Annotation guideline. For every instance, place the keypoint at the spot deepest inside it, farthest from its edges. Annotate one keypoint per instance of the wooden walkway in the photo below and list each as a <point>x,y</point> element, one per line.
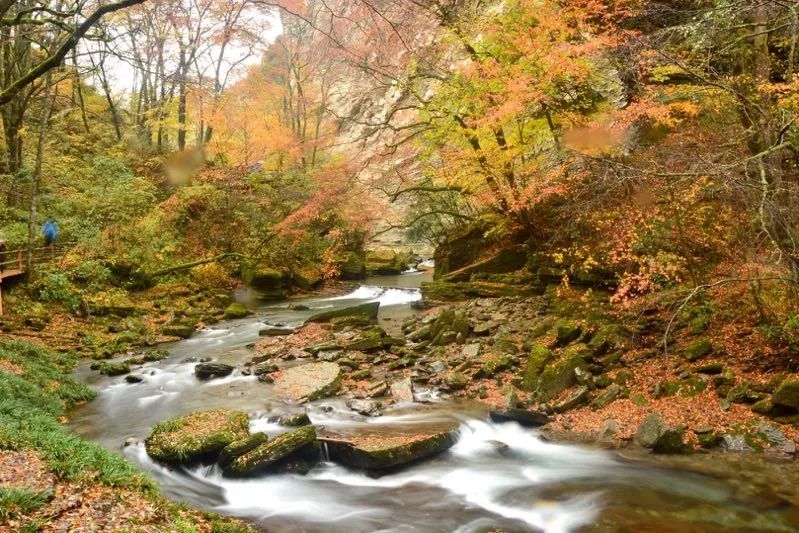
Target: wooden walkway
<point>14,263</point>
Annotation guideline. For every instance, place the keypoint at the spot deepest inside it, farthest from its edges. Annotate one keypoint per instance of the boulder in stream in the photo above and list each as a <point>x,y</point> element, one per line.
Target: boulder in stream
<point>275,331</point>
<point>308,382</point>
<point>275,452</point>
<point>368,309</point>
<point>523,417</point>
<point>379,451</point>
<point>196,436</point>
<point>212,370</point>
<point>238,448</point>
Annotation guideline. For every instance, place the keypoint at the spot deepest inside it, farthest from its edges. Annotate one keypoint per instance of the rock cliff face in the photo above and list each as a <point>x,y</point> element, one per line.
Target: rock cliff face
<point>374,59</point>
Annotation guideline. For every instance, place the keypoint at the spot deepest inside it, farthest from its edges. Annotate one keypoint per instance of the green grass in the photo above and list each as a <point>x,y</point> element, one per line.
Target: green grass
<point>30,405</point>
<point>21,501</point>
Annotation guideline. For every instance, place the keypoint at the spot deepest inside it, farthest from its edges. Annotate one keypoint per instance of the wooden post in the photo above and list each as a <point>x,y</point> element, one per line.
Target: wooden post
<point>1,294</point>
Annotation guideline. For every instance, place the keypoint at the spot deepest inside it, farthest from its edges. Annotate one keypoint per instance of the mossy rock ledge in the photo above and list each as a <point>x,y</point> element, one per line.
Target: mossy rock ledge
<point>196,436</point>
<point>377,452</point>
<point>285,450</point>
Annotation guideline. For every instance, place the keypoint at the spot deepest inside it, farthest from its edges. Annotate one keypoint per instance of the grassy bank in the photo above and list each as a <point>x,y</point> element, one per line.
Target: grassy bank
<point>50,478</point>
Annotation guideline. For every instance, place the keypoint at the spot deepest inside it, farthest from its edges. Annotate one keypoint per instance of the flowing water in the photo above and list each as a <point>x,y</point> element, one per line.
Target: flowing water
<point>497,477</point>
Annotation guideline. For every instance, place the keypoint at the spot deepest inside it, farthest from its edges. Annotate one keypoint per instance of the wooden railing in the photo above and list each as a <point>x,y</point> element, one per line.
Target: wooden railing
<point>15,262</point>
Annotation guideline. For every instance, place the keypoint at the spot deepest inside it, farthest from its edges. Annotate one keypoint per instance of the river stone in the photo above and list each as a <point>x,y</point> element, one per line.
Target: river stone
<point>368,309</point>
<point>236,310</point>
<point>608,396</point>
<point>272,451</point>
<point>402,391</point>
<point>378,452</point>
<point>670,441</point>
<point>212,370</point>
<point>238,448</point>
<point>308,382</point>
<point>365,407</point>
<point>195,436</point>
<point>275,331</point>
<point>523,417</point>
<point>787,394</point>
<point>577,397</point>
<point>295,420</point>
<point>650,430</point>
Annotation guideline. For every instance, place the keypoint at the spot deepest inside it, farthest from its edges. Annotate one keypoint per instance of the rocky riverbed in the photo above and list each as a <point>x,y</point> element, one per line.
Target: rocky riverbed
<point>448,410</point>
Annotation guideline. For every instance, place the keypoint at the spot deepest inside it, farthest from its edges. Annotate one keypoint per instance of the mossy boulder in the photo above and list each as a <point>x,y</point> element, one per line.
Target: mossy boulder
<point>388,451</point>
<point>267,279</point>
<point>539,356</point>
<point>385,261</point>
<point>196,436</point>
<point>272,452</point>
<point>295,420</point>
<point>308,382</point>
<point>352,267</point>
<point>307,278</point>
<point>239,447</point>
<point>112,369</point>
<point>559,376</point>
<point>567,331</point>
<point>698,349</point>
<point>787,394</point>
<point>236,310</point>
<point>369,310</point>
<point>671,441</point>
<point>608,338</point>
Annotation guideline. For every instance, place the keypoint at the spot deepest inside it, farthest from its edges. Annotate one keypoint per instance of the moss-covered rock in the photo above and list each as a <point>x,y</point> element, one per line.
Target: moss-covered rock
<point>308,382</point>
<point>608,338</point>
<point>239,447</point>
<point>567,331</point>
<point>698,349</point>
<point>387,451</point>
<point>236,310</point>
<point>295,420</point>
<point>608,396</point>
<point>369,310</point>
<point>270,453</point>
<point>112,369</point>
<point>787,394</point>
<point>196,436</point>
<point>266,278</point>
<point>539,356</point>
<point>558,377</point>
<point>493,364</point>
<point>352,267</point>
<point>384,261</point>
<point>671,441</point>
<point>442,291</point>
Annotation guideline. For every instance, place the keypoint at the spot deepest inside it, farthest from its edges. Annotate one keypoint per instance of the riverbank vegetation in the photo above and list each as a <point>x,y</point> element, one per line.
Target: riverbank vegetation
<point>628,169</point>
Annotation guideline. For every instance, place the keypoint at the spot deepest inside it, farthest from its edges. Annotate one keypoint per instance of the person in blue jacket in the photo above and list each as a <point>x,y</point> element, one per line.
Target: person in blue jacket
<point>50,233</point>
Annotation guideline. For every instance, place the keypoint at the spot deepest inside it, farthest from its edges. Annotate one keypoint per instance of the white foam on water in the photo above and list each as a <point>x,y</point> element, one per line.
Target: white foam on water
<point>386,296</point>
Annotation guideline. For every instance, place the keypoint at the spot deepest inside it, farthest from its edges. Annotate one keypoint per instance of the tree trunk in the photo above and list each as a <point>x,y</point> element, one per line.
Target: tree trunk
<point>37,172</point>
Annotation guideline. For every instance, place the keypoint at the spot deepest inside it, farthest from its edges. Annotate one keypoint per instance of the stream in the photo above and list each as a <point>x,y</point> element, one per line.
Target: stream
<point>477,486</point>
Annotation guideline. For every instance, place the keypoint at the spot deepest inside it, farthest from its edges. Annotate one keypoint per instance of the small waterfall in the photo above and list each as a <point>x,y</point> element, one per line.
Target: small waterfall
<point>325,452</point>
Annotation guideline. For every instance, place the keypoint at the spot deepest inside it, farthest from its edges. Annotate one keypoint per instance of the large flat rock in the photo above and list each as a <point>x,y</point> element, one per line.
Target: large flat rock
<point>308,382</point>
<point>381,451</point>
